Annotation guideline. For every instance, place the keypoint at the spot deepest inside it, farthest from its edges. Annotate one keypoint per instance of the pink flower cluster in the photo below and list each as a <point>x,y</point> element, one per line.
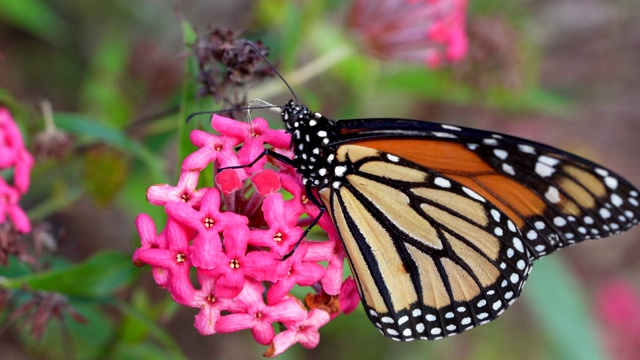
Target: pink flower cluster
<point>14,158</point>
<point>618,305</point>
<point>428,31</point>
<point>238,239</point>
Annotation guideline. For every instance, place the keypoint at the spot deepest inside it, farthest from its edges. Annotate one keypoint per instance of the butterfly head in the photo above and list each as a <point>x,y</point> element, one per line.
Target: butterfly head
<point>295,115</point>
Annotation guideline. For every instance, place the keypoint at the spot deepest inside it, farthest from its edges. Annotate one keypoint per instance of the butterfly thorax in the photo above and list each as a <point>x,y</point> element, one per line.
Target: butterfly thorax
<point>311,135</point>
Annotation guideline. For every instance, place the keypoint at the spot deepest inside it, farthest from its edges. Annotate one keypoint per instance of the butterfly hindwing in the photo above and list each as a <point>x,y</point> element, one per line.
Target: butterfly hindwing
<point>431,257</point>
<point>556,199</point>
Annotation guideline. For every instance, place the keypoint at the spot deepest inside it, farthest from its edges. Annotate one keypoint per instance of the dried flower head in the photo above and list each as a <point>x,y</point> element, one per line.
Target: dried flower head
<point>239,236</point>
<point>227,64</point>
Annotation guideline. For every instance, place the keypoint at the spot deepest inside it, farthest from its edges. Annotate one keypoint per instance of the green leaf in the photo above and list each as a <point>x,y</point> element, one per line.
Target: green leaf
<point>561,307</point>
<point>104,91</point>
<point>154,328</point>
<point>82,125</point>
<point>35,17</point>
<point>99,276</point>
<point>105,172</point>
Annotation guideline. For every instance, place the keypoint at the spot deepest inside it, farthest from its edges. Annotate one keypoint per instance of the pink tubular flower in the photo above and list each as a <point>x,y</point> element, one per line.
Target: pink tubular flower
<point>252,313</point>
<point>304,332</point>
<point>426,31</point>
<point>175,259</point>
<point>13,155</point>
<point>618,305</point>
<point>238,235</point>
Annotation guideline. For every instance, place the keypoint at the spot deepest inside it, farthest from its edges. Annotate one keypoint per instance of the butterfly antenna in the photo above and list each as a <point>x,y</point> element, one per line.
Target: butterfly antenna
<point>265,105</point>
<point>261,105</point>
<point>255,48</point>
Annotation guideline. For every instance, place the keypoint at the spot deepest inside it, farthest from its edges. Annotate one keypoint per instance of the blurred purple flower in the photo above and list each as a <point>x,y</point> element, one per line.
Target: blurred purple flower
<point>618,306</point>
<point>425,31</point>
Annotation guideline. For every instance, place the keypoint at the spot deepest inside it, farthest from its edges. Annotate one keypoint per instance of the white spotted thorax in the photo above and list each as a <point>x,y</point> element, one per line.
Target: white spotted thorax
<point>310,135</point>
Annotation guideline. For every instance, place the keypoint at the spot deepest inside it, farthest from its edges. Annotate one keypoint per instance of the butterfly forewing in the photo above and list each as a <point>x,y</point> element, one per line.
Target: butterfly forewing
<point>556,199</point>
<point>431,257</point>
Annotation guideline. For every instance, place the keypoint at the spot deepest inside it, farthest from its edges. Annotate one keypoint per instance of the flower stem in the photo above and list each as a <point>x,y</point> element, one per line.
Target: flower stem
<point>307,72</point>
<point>47,114</point>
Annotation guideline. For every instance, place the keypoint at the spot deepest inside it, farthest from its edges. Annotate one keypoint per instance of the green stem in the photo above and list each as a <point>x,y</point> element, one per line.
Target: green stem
<point>303,74</point>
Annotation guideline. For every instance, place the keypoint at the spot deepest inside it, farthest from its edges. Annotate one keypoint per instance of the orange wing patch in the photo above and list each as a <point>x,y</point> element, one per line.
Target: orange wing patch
<point>467,168</point>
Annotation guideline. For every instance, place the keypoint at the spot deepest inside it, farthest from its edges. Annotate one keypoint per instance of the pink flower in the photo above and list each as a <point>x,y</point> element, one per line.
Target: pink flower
<point>13,156</point>
<point>9,197</point>
<point>212,148</point>
<point>175,259</point>
<point>185,191</point>
<point>235,264</point>
<point>207,222</point>
<point>297,272</point>
<point>349,298</point>
<point>426,31</point>
<point>210,305</point>
<point>252,313</point>
<point>618,305</point>
<point>305,332</point>
<point>255,135</point>
<point>149,239</point>
<point>240,244</point>
<point>283,231</point>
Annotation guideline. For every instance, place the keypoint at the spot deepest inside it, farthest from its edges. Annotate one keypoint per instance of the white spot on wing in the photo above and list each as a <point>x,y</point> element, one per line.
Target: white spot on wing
<point>508,169</point>
<point>442,182</point>
<point>451,127</point>
<point>393,158</point>
<point>443,134</point>
<point>527,149</point>
<point>611,182</point>
<point>500,153</point>
<point>473,194</point>
<point>552,195</point>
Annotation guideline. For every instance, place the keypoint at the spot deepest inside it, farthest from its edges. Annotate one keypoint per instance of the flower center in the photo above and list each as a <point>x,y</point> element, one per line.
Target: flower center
<point>184,197</point>
<point>180,258</point>
<point>277,237</point>
<point>258,315</point>
<point>208,222</point>
<point>234,264</point>
<point>217,147</point>
<point>304,199</point>
<point>210,298</point>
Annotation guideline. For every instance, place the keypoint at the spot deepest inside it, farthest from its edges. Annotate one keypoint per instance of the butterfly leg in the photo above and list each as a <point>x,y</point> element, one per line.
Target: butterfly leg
<point>309,191</point>
<point>266,152</point>
<point>322,209</point>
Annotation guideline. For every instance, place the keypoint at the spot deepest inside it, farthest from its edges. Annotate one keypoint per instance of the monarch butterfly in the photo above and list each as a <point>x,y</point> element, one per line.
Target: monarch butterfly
<point>441,224</point>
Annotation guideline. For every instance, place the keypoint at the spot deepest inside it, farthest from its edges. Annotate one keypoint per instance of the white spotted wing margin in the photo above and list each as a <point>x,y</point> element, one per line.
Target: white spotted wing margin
<point>431,257</point>
<point>582,200</point>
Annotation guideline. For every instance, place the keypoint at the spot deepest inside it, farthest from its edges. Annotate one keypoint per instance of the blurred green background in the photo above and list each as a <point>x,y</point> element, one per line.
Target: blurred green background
<point>117,75</point>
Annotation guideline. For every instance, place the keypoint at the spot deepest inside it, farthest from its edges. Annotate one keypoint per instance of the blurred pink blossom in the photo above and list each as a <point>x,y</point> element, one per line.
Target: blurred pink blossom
<point>425,31</point>
<point>13,157</point>
<point>618,305</point>
<point>238,235</point>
